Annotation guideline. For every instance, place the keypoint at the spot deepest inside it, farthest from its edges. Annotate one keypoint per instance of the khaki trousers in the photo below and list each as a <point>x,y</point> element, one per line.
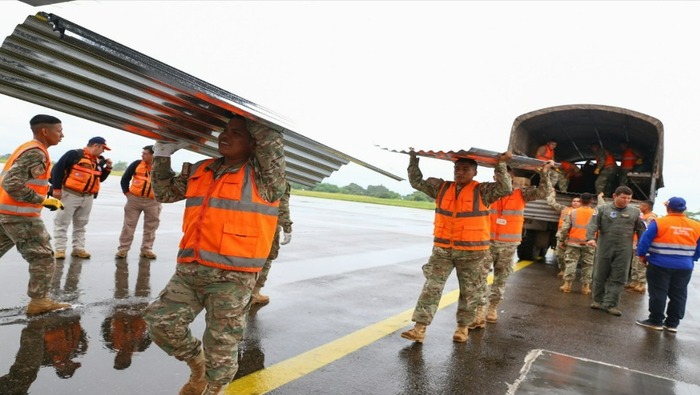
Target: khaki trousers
<point>135,205</point>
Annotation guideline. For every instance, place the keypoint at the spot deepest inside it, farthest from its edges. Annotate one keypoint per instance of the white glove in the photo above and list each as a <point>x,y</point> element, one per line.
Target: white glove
<point>166,148</point>
<point>286,238</point>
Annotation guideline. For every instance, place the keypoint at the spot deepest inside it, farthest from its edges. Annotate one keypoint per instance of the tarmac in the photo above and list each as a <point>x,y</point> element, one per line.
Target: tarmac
<point>341,293</point>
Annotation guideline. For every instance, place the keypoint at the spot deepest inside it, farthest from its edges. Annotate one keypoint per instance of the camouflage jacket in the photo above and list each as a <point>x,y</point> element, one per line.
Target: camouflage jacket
<point>28,165</point>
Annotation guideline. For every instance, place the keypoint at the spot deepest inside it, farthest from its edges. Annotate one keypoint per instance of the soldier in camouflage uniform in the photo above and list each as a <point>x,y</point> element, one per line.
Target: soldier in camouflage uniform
<point>606,168</point>
<point>614,224</point>
<point>572,237</point>
<point>24,188</point>
<point>507,217</point>
<point>217,264</point>
<point>285,225</point>
<point>563,212</point>
<point>455,201</point>
<point>638,275</point>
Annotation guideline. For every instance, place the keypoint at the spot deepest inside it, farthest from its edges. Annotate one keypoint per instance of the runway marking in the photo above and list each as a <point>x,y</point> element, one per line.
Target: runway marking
<point>296,367</point>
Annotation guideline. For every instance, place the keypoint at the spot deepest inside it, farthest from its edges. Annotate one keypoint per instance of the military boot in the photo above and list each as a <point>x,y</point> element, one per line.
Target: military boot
<point>417,334</point>
<point>566,288</point>
<point>492,313</point>
<point>81,253</point>
<point>197,382</point>
<point>640,288</point>
<point>60,254</point>
<point>479,321</point>
<point>586,289</point>
<point>44,305</point>
<point>257,298</point>
<point>461,334</point>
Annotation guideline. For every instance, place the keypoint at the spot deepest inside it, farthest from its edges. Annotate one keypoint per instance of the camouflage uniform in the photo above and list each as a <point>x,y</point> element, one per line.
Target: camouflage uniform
<point>502,252</point>
<point>284,221</point>
<point>468,264</point>
<point>574,253</point>
<point>639,269</point>
<point>224,294</point>
<point>28,234</point>
<point>615,227</point>
<point>560,251</point>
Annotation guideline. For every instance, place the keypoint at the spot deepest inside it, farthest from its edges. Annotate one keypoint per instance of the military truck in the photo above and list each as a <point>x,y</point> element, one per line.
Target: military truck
<point>575,128</point>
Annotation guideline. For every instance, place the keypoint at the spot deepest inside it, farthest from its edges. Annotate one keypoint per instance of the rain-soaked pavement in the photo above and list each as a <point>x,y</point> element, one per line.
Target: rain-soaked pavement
<point>341,292</point>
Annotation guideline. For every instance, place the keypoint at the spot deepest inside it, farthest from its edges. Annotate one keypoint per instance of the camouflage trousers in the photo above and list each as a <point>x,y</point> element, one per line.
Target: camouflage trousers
<point>560,253</point>
<point>575,253</point>
<point>604,178</point>
<point>225,295</point>
<point>469,266</point>
<point>274,253</point>
<point>33,242</point>
<point>639,270</point>
<point>502,264</point>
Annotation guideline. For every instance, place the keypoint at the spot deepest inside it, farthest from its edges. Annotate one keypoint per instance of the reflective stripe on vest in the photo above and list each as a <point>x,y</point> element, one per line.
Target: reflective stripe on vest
<point>141,181</point>
<point>676,235</point>
<point>40,185</point>
<point>510,208</point>
<point>227,224</point>
<point>461,221</point>
<point>83,177</point>
<point>580,217</point>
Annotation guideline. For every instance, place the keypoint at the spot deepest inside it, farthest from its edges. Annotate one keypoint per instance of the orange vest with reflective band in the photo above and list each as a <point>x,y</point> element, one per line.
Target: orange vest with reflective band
<point>629,159</point>
<point>83,177</point>
<point>510,209</point>
<point>609,159</point>
<point>141,181</point>
<point>548,154</point>
<point>227,224</point>
<point>580,217</point>
<point>40,185</point>
<point>563,215</point>
<point>461,222</point>
<point>676,235</point>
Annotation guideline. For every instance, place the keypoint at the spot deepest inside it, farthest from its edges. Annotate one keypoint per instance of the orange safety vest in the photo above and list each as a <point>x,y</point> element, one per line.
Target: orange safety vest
<point>461,221</point>
<point>580,217</point>
<point>141,181</point>
<point>507,217</point>
<point>629,159</point>
<point>563,215</point>
<point>40,185</point>
<point>676,235</point>
<point>83,177</point>
<point>548,154</point>
<point>227,224</point>
<point>609,159</point>
<point>568,167</point>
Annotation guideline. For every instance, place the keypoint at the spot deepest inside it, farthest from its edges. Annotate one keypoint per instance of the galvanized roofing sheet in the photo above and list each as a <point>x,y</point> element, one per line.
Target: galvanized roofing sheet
<point>55,63</point>
<point>483,157</point>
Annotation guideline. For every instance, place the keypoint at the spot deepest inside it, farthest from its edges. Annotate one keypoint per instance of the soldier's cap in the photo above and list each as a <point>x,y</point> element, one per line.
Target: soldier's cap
<point>99,140</point>
<point>676,204</point>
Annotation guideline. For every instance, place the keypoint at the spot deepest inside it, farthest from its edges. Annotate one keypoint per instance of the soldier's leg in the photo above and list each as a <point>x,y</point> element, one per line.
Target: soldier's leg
<point>436,272</point>
<point>6,243</point>
<point>81,217</point>
<point>227,301</point>
<point>470,275</point>
<point>33,243</point>
<point>132,211</point>
<point>561,260</point>
<point>571,257</point>
<point>587,256</point>
<point>620,266</point>
<point>502,269</point>
<point>151,222</point>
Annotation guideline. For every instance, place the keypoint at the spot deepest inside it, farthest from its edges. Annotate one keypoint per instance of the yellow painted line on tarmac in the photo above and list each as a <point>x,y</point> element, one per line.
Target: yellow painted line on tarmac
<point>284,372</point>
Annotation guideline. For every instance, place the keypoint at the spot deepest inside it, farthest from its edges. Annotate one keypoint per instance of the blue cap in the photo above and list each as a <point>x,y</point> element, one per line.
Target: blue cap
<point>99,140</point>
<point>676,204</point>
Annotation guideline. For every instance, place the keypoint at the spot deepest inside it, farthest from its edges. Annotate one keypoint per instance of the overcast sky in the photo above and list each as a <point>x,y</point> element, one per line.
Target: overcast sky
<point>429,75</point>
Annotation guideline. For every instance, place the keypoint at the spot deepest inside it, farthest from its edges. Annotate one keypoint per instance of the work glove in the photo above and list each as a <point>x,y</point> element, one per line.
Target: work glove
<point>286,238</point>
<point>166,148</point>
<point>52,203</point>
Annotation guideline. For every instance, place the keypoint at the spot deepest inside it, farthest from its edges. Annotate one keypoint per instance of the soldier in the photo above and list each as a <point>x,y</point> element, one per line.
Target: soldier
<point>639,270</point>
<point>78,173</point>
<point>630,159</point>
<point>606,168</point>
<point>569,171</point>
<point>136,186</point>
<point>461,239</point>
<point>545,153</point>
<point>572,238</point>
<point>507,217</point>
<point>614,224</point>
<point>229,221</point>
<point>284,223</point>
<point>25,184</point>
<point>669,247</point>
<point>563,212</point>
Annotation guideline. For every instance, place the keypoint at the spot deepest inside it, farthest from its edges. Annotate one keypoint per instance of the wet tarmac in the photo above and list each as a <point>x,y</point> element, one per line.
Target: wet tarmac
<point>341,292</point>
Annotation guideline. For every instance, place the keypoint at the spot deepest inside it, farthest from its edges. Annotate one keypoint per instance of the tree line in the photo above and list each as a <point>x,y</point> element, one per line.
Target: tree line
<point>378,191</point>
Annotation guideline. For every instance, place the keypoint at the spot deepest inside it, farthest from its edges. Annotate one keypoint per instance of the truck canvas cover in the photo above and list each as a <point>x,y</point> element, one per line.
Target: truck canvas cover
<point>55,63</point>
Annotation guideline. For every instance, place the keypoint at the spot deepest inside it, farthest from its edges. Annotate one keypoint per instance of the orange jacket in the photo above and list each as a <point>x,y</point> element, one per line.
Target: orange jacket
<point>607,157</point>
<point>629,159</point>
<point>566,211</point>
<point>84,176</point>
<point>461,222</point>
<point>227,224</point>
<point>580,217</point>
<point>507,217</point>
<point>548,154</point>
<point>40,184</point>
<point>141,181</point>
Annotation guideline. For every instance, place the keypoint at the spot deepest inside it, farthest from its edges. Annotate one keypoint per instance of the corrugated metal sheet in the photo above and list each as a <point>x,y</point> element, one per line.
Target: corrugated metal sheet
<point>55,63</point>
<point>481,156</point>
